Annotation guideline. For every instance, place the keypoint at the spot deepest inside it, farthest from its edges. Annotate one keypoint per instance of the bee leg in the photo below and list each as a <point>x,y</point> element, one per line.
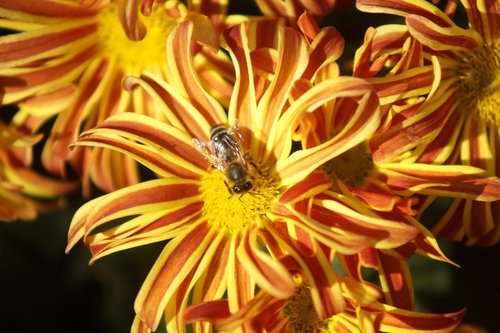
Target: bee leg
<point>228,189</point>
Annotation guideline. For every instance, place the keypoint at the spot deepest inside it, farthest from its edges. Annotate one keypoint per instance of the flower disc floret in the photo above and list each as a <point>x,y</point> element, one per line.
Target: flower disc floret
<point>299,310</point>
<point>352,166</point>
<point>235,212</point>
<point>116,45</point>
<point>479,82</point>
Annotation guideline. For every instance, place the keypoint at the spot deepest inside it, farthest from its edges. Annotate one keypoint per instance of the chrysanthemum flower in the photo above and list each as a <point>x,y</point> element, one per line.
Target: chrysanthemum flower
<point>24,192</point>
<point>365,310</point>
<point>460,121</point>
<point>376,174</point>
<point>215,235</point>
<point>68,59</point>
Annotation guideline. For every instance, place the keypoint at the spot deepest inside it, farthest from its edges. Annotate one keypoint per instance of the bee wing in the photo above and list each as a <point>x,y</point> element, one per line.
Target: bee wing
<point>235,130</point>
<point>206,149</point>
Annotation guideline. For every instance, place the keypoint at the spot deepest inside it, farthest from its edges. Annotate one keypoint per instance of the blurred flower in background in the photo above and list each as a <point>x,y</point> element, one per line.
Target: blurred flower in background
<point>23,191</point>
<point>67,59</point>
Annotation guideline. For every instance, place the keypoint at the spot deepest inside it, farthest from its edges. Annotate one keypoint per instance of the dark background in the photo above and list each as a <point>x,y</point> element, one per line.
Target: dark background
<point>44,290</point>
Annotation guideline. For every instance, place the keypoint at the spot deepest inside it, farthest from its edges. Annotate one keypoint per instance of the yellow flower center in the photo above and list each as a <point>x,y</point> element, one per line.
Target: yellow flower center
<point>479,83</point>
<point>134,56</point>
<point>235,212</point>
<point>299,310</point>
<point>352,166</point>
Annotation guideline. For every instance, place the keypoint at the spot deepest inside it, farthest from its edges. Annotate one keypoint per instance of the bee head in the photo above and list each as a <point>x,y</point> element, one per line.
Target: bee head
<point>242,187</point>
<point>239,178</point>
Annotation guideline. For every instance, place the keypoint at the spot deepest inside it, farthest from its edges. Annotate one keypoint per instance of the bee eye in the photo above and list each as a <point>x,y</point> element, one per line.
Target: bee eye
<point>242,188</point>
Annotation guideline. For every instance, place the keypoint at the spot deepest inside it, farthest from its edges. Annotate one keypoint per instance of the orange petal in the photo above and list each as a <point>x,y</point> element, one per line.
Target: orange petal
<point>161,147</point>
<point>184,78</point>
<point>398,320</point>
<point>129,18</point>
<point>180,256</point>
<point>207,311</point>
<point>268,273</point>
<point>358,128</point>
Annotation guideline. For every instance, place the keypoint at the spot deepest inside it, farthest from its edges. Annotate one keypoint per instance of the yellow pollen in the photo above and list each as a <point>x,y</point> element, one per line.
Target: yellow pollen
<point>134,56</point>
<point>299,310</point>
<point>478,89</point>
<point>235,212</point>
<point>352,166</point>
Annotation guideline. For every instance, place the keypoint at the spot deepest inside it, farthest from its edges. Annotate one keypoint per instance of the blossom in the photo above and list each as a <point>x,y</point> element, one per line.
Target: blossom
<point>365,310</point>
<point>459,121</point>
<point>216,237</point>
<point>68,59</point>
<point>377,174</point>
<point>23,191</point>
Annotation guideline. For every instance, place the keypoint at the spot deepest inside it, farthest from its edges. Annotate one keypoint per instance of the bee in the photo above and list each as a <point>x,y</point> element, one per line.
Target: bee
<point>225,152</point>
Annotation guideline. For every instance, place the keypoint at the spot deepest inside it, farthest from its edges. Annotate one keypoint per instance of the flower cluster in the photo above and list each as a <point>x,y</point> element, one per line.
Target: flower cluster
<point>268,158</point>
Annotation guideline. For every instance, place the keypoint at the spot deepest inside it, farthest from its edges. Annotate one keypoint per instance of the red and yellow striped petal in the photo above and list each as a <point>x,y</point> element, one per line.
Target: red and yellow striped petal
<point>425,242</point>
<point>451,224</point>
<point>240,287</point>
<point>292,61</point>
<point>442,38</point>
<point>33,112</point>
<point>69,122</point>
<point>25,82</point>
<point>396,320</point>
<point>268,273</point>
<point>326,47</point>
<point>379,197</point>
<point>182,75</point>
<point>191,250</point>
<point>363,123</point>
<point>128,12</point>
<point>443,147</point>
<point>379,232</point>
<point>395,278</point>
<point>139,326</point>
<point>404,8</point>
<point>315,183</point>
<point>423,125</point>
<point>243,101</point>
<point>410,83</point>
<point>323,281</point>
<point>162,148</point>
<point>142,230</point>
<point>361,292</point>
<point>25,48</point>
<point>210,311</point>
<point>47,8</point>
<point>213,282</point>
<point>483,17</point>
<point>30,182</point>
<point>444,180</point>
<point>478,145</point>
<point>305,229</point>
<point>158,194</point>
